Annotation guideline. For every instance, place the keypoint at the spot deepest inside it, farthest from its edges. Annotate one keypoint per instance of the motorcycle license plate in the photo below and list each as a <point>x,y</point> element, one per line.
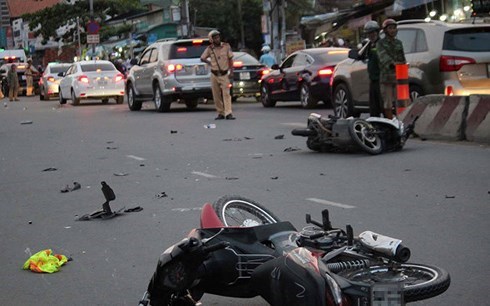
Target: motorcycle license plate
<point>244,75</point>
<point>387,295</point>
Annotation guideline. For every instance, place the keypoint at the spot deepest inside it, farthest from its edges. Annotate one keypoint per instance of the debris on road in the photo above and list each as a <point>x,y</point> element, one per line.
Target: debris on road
<point>111,148</point>
<point>231,178</point>
<point>49,169</point>
<point>26,122</point>
<point>161,195</point>
<point>134,209</point>
<point>45,262</point>
<point>292,149</point>
<point>173,132</point>
<point>210,126</point>
<point>450,196</point>
<point>121,174</point>
<point>279,137</point>
<point>76,186</point>
<point>274,177</point>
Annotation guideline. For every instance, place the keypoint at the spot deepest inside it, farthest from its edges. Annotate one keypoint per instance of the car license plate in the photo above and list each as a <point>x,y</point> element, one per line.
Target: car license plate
<point>244,75</point>
<point>387,294</point>
<point>102,82</point>
<point>201,70</point>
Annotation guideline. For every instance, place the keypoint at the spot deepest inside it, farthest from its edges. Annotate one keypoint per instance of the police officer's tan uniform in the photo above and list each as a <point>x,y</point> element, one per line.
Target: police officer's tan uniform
<point>220,58</point>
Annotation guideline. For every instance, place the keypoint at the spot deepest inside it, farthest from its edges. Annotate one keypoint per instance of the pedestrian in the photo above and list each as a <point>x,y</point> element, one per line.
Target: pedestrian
<point>266,58</point>
<point>13,82</point>
<point>29,73</point>
<point>371,29</point>
<point>219,57</point>
<point>390,53</point>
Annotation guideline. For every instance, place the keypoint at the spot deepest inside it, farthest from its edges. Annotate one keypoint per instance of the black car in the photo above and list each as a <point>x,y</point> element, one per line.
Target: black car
<point>246,77</point>
<point>303,76</point>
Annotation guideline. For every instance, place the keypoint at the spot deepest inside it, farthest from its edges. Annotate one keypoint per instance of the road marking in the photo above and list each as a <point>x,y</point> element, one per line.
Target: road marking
<point>325,202</point>
<point>136,157</point>
<point>204,174</point>
<point>295,124</point>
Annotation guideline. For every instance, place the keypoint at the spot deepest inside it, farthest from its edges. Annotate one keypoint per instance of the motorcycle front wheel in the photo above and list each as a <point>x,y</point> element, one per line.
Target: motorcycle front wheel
<point>235,210</point>
<point>365,136</point>
<point>420,282</point>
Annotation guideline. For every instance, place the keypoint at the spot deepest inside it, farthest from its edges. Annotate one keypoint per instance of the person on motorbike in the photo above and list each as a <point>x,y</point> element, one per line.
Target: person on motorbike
<point>371,29</point>
<point>266,58</point>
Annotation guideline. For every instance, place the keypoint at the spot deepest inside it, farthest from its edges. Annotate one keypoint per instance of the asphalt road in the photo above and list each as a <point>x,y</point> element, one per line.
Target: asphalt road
<point>433,195</point>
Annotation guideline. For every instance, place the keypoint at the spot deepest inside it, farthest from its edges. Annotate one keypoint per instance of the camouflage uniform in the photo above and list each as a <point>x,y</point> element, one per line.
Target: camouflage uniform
<point>390,52</point>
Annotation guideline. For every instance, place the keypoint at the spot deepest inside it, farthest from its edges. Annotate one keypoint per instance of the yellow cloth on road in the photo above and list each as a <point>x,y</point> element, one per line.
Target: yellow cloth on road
<point>44,261</point>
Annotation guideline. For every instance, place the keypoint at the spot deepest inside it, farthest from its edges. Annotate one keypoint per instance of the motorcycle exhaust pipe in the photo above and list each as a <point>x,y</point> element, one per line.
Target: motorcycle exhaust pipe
<point>384,245</point>
<point>304,132</point>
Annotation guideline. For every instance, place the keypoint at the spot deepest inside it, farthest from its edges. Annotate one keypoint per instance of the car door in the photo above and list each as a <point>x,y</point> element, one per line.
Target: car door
<point>359,85</point>
<point>275,79</point>
<point>66,81</point>
<point>293,74</point>
<point>142,74</point>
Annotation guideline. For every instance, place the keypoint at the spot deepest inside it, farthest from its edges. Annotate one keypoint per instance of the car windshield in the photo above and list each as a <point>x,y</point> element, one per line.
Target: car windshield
<point>58,69</point>
<point>475,39</point>
<point>188,49</point>
<point>97,67</point>
<point>245,58</point>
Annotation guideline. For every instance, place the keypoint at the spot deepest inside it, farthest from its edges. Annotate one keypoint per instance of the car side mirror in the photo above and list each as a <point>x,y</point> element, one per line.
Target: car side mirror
<point>275,66</point>
<point>353,54</point>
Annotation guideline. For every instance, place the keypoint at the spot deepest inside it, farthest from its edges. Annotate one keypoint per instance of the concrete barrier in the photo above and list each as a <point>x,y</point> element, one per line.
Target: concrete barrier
<point>451,117</point>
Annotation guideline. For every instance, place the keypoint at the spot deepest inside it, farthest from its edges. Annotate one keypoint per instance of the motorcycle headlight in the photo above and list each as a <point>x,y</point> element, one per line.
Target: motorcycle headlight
<point>334,289</point>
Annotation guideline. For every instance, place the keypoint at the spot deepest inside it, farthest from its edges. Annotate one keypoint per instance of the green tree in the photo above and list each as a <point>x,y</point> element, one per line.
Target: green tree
<point>48,20</point>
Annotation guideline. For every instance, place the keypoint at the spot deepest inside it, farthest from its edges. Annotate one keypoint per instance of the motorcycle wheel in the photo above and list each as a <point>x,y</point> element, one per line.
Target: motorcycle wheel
<point>420,282</point>
<point>362,132</point>
<point>235,210</point>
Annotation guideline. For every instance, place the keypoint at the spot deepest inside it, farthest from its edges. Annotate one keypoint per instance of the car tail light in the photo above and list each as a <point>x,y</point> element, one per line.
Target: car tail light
<point>326,71</point>
<point>449,63</point>
<point>237,64</point>
<point>171,68</point>
<point>264,71</point>
<point>50,79</point>
<point>449,91</point>
<point>83,79</point>
<point>119,77</point>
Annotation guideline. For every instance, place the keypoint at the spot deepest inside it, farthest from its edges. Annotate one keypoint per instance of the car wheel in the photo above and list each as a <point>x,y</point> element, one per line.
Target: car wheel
<point>307,100</point>
<point>342,101</point>
<point>415,92</point>
<point>133,104</point>
<point>160,104</point>
<point>119,99</point>
<point>105,101</point>
<point>74,98</point>
<point>265,97</point>
<point>62,100</point>
<point>191,103</point>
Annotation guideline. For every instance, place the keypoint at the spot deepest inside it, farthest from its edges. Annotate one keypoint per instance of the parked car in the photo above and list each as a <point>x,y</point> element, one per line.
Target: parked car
<point>303,76</point>
<point>169,70</point>
<point>21,68</point>
<point>444,58</point>
<point>247,72</point>
<point>93,79</point>
<point>50,80</point>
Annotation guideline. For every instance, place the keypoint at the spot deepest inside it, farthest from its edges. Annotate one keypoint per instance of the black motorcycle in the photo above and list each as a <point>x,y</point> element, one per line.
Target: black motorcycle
<point>373,135</point>
<point>243,250</point>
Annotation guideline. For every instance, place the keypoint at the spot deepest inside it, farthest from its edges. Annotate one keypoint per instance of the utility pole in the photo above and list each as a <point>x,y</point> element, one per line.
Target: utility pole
<point>185,18</point>
<point>91,3</point>
<point>79,51</point>
<point>242,32</point>
<point>283,28</point>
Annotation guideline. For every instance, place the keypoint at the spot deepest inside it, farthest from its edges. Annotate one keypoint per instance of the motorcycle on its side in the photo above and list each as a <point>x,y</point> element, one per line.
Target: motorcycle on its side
<point>243,250</point>
<point>373,135</point>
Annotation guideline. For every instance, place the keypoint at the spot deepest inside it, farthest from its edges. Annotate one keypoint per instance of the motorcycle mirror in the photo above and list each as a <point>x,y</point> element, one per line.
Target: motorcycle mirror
<point>310,221</point>
<point>326,220</point>
<point>308,218</point>
<point>350,235</point>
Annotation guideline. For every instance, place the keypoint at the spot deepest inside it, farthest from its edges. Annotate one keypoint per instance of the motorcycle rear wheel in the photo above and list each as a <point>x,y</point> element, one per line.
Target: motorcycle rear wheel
<point>363,133</point>
<point>234,210</point>
<point>420,282</point>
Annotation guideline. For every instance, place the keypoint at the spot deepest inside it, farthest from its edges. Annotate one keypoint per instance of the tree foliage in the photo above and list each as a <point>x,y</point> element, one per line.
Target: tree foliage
<point>48,20</point>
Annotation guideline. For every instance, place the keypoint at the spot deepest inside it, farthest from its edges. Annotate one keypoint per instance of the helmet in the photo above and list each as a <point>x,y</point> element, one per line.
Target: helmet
<point>388,22</point>
<point>266,48</point>
<point>213,33</point>
<point>371,26</point>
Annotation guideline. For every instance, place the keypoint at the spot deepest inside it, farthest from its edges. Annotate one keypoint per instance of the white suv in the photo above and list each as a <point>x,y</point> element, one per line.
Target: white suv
<point>169,70</point>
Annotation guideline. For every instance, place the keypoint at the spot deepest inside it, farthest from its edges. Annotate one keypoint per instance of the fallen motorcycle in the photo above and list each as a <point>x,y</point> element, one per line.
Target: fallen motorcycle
<point>243,250</point>
<point>373,135</point>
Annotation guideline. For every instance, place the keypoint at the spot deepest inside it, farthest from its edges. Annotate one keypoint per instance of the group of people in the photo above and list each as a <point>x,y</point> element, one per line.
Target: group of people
<point>383,55</point>
<point>13,81</point>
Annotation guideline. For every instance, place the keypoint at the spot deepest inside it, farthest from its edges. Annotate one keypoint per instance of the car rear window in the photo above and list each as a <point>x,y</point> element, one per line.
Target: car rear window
<point>98,66</point>
<point>246,59</point>
<point>468,39</point>
<point>58,69</point>
<point>188,49</point>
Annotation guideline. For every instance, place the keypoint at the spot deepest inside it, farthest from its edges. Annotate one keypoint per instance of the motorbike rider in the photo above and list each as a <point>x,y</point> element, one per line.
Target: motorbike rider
<point>371,29</point>
<point>266,58</point>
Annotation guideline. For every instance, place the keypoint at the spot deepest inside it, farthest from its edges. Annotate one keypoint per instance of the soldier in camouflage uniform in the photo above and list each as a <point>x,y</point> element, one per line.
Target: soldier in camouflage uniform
<point>371,29</point>
<point>390,53</point>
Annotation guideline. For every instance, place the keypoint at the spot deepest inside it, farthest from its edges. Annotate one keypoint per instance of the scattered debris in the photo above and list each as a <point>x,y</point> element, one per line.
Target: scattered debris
<point>292,149</point>
<point>45,262</point>
<point>161,195</point>
<point>76,186</point>
<point>210,126</point>
<point>406,170</point>
<point>247,138</point>
<point>110,141</point>
<point>142,165</point>
<point>173,132</point>
<point>231,178</point>
<point>134,209</point>
<point>450,196</point>
<point>232,139</point>
<point>26,122</point>
<point>111,148</point>
<point>30,222</point>
<point>121,174</point>
<point>106,212</point>
<point>50,169</point>
<point>274,177</point>
<point>322,174</point>
<point>279,137</point>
